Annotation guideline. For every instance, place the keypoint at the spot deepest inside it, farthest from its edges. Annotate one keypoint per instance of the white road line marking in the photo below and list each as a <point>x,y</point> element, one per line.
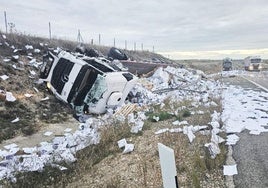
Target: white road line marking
<point>260,86</point>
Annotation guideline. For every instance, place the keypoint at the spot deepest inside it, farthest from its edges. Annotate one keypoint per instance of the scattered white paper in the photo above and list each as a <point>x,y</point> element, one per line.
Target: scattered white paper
<point>37,51</point>
<point>32,72</point>
<point>59,167</point>
<point>4,77</point>
<point>176,130</point>
<point>213,149</point>
<point>137,127</point>
<point>156,118</point>
<point>229,170</point>
<point>232,139</point>
<point>15,120</point>
<point>30,150</point>
<point>255,132</point>
<point>128,148</point>
<point>36,90</point>
<point>10,97</point>
<point>16,57</point>
<point>48,133</point>
<point>45,99</point>
<point>177,122</point>
<point>10,146</point>
<point>121,143</point>
<point>189,132</point>
<point>29,47</point>
<point>28,95</point>
<point>68,130</point>
<point>161,131</point>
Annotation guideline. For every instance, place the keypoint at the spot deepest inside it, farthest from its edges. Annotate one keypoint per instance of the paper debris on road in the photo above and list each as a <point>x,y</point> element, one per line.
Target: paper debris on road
<point>229,170</point>
<point>232,139</point>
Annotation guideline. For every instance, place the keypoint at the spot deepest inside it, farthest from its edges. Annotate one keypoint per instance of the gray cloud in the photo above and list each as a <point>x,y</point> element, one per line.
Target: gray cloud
<point>170,25</point>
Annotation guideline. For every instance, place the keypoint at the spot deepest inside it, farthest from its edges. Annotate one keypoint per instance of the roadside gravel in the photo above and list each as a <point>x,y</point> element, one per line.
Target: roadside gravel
<point>251,156</point>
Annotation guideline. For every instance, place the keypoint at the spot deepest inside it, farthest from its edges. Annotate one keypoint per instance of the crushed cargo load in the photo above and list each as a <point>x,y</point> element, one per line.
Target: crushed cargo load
<point>88,84</point>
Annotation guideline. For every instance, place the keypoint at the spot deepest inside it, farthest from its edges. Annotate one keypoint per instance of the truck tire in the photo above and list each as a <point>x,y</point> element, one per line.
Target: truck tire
<point>92,53</point>
<point>115,53</point>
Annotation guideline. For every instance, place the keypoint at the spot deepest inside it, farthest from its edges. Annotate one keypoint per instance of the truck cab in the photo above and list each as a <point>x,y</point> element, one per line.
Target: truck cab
<point>253,63</point>
<point>227,64</point>
<point>88,84</point>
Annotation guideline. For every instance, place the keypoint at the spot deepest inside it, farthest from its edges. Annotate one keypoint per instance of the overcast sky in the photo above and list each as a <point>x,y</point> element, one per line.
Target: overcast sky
<point>179,29</point>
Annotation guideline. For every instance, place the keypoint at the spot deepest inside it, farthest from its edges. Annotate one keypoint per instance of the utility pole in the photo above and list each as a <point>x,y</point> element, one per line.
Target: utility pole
<point>79,37</point>
<point>114,42</point>
<point>141,46</point>
<point>99,39</point>
<point>125,44</point>
<point>49,27</point>
<point>135,46</point>
<point>153,49</point>
<point>5,14</point>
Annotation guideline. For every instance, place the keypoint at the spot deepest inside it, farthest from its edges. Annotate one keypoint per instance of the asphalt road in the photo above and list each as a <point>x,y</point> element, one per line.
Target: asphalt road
<point>260,78</point>
<point>251,152</point>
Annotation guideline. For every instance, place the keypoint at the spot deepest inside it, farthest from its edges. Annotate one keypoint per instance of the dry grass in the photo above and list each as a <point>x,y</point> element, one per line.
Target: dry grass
<point>103,165</point>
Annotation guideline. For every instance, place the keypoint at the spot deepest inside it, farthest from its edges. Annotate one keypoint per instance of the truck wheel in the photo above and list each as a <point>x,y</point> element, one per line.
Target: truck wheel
<point>115,53</point>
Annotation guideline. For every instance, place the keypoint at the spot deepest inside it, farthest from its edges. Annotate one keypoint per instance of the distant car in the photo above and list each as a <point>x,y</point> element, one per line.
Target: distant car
<point>227,64</point>
<point>88,84</point>
<point>253,63</point>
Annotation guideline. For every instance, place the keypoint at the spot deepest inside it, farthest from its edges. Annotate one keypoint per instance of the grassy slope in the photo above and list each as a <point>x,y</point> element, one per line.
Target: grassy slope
<point>102,165</point>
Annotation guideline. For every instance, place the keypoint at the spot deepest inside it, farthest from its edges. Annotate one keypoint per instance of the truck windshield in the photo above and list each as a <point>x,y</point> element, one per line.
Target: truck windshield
<point>95,93</point>
<point>255,60</point>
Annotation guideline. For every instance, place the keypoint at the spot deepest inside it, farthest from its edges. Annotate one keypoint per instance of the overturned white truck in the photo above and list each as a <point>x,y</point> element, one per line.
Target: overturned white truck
<point>88,84</point>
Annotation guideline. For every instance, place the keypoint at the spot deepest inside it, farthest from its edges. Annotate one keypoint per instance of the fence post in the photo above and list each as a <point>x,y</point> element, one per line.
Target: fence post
<point>5,14</point>
<point>49,27</point>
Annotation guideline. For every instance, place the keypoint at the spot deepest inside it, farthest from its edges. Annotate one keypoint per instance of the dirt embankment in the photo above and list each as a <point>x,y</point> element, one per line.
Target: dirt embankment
<point>19,55</point>
<point>102,165</point>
